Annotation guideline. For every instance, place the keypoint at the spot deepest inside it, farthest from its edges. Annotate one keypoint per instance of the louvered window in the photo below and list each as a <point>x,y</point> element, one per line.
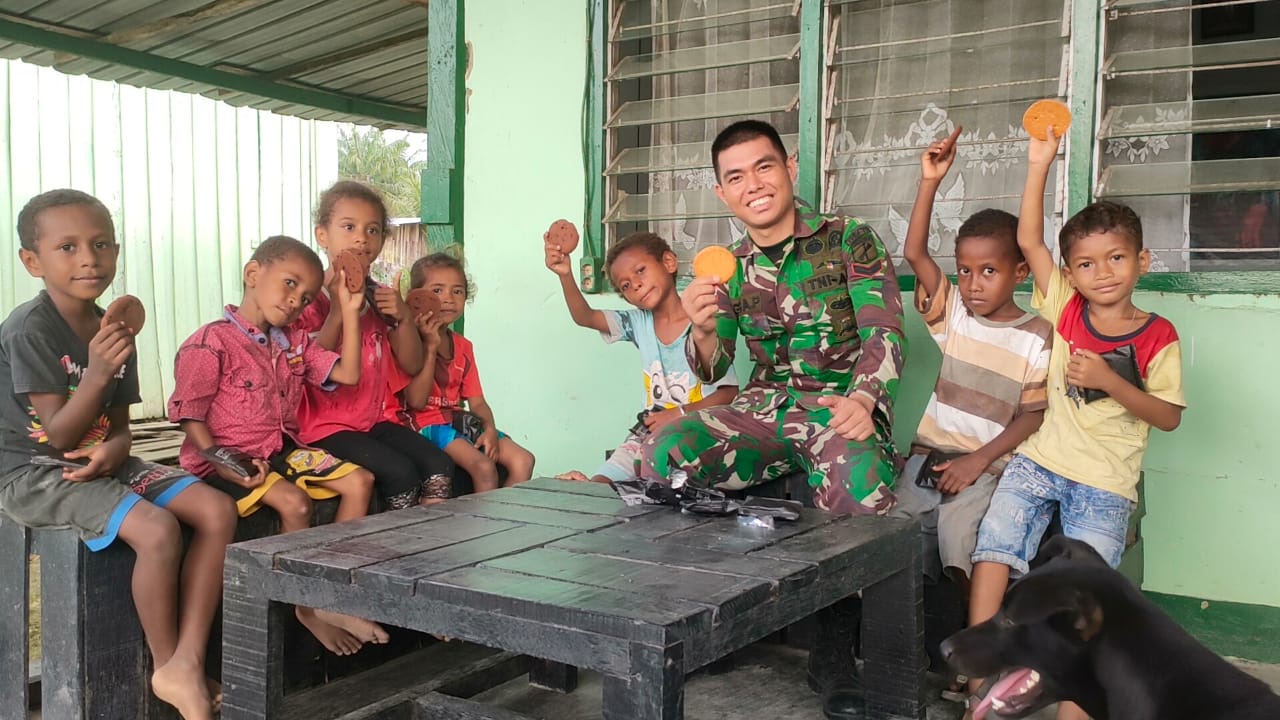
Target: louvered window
<point>1190,128</point>
<point>679,71</point>
<point>903,73</point>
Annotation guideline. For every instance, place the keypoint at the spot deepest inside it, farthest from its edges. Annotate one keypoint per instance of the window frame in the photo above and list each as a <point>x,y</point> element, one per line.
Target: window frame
<point>1083,82</point>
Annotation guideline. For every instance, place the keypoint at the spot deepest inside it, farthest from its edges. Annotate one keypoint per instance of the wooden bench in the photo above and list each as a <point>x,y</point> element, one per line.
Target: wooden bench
<point>567,574</point>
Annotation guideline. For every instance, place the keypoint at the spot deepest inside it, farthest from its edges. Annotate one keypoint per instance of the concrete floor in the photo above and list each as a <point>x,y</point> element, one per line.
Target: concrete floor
<point>768,683</point>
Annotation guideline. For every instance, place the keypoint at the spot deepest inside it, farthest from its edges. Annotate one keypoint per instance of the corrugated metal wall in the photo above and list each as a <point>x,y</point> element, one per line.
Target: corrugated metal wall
<point>193,185</point>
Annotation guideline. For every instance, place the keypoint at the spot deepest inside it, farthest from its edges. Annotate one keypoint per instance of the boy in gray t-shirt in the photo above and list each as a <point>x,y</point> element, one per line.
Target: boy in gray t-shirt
<point>66,382</point>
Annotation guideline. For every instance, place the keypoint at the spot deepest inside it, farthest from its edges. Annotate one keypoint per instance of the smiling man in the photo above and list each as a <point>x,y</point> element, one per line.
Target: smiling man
<point>817,303</point>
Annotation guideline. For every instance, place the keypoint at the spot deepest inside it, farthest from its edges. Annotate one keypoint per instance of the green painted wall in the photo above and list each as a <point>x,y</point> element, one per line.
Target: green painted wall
<point>1212,492</point>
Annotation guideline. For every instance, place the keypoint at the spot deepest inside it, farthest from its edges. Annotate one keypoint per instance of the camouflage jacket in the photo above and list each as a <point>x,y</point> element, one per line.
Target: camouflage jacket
<point>827,320</point>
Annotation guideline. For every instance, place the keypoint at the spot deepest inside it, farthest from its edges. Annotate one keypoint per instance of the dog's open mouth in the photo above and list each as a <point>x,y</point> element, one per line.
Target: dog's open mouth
<point>1012,694</point>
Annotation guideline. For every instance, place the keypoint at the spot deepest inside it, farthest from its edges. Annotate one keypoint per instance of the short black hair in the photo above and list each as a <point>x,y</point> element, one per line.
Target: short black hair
<point>29,216</point>
<point>646,241</point>
<point>278,247</point>
<point>451,257</point>
<point>996,224</point>
<point>1100,217</point>
<point>744,131</point>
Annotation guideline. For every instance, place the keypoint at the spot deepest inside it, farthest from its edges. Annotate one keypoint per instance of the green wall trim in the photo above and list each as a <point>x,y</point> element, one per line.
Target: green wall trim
<point>1083,97</point>
<point>592,278</point>
<point>441,204</point>
<point>809,152</point>
<point>106,52</point>
<point>1204,283</point>
<point>1239,630</point>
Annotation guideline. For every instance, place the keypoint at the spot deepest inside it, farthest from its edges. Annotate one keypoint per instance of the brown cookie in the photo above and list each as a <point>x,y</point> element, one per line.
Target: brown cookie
<point>351,263</point>
<point>422,301</point>
<point>715,261</point>
<point>563,234</point>
<point>1044,114</point>
<point>128,310</point>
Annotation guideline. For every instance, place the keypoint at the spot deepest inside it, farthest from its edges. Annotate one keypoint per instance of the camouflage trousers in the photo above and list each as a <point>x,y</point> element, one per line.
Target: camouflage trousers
<point>732,448</point>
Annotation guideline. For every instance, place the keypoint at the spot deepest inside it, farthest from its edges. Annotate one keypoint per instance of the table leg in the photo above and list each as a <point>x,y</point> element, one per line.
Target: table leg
<point>252,649</point>
<point>14,553</point>
<point>654,690</point>
<point>553,675</point>
<point>893,644</point>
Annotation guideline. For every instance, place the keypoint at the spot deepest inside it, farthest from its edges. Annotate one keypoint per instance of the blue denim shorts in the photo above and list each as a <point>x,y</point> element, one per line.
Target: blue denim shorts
<point>1022,507</point>
<point>442,435</point>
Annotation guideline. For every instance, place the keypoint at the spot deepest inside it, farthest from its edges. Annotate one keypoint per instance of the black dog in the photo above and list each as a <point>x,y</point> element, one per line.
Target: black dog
<point>1075,629</point>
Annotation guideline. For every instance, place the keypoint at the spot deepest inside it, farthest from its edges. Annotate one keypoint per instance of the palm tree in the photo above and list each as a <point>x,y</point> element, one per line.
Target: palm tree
<point>384,165</point>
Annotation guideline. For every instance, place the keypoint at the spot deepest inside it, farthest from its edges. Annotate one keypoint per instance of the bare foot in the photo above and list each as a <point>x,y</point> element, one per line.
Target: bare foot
<point>362,630</point>
<point>335,639</point>
<point>182,684</point>
<point>575,475</point>
<point>215,694</point>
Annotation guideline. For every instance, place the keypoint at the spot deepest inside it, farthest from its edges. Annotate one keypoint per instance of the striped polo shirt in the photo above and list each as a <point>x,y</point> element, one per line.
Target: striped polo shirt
<point>991,372</point>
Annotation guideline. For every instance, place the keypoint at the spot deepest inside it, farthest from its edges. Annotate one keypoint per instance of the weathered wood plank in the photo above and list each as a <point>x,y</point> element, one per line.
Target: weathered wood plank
<point>435,706</point>
<point>788,573</point>
<point>380,690</point>
<point>726,535</point>
<point>401,574</point>
<point>262,551</point>
<point>728,594</point>
<point>610,612</point>
<point>893,643</point>
<point>252,647</point>
<point>571,502</point>
<point>14,568</point>
<point>653,526</point>
<point>654,690</point>
<point>555,676</point>
<point>569,486</point>
<point>834,546</point>
<point>478,505</point>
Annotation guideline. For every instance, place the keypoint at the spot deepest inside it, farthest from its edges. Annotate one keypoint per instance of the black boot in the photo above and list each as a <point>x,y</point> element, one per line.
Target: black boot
<point>833,671</point>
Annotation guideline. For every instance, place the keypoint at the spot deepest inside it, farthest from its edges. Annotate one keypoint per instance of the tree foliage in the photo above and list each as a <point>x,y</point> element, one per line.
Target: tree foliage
<point>366,155</point>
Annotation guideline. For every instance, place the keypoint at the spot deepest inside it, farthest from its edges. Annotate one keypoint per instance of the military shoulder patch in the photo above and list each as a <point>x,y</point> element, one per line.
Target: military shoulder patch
<point>866,257</point>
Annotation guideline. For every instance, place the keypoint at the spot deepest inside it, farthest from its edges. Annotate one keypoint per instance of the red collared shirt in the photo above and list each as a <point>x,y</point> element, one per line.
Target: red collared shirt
<point>245,385</point>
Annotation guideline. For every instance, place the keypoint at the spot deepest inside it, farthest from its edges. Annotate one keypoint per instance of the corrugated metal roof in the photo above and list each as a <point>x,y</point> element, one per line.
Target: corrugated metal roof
<point>363,62</point>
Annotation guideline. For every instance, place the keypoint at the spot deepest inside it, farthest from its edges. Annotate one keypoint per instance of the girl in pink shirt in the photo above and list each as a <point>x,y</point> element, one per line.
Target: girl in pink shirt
<point>348,422</point>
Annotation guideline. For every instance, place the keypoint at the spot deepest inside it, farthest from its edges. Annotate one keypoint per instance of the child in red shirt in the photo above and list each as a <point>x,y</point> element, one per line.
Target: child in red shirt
<point>348,422</point>
<point>432,400</point>
<point>239,382</point>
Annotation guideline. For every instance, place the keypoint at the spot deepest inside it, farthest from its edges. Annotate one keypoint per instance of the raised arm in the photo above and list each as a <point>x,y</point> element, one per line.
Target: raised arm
<point>934,164</point>
<point>1040,156</point>
<point>582,313</point>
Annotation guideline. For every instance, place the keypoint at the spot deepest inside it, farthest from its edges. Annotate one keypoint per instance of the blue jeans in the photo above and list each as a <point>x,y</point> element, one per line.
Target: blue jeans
<point>1022,507</point>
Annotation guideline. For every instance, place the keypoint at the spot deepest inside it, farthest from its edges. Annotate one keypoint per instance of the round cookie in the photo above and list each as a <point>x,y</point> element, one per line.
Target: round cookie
<point>563,234</point>
<point>715,261</point>
<point>128,310</point>
<point>352,264</point>
<point>422,301</point>
<point>1044,114</point>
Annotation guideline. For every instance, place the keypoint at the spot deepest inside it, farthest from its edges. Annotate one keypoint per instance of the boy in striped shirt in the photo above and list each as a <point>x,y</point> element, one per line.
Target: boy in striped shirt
<point>990,393</point>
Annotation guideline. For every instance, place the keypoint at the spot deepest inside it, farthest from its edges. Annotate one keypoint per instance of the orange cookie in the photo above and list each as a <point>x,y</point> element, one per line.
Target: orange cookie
<point>564,234</point>
<point>1044,114</point>
<point>715,261</point>
<point>422,301</point>
<point>352,264</point>
<point>128,310</point>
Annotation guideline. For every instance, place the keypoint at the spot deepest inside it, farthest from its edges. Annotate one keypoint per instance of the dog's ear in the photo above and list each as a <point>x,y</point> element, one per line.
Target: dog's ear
<point>1089,617</point>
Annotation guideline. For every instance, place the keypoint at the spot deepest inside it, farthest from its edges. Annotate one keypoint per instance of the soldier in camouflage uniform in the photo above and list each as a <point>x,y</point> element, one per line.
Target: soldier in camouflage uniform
<point>816,300</point>
<point>823,325</point>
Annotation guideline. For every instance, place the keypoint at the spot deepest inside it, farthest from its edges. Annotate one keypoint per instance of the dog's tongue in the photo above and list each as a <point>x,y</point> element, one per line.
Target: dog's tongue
<point>1000,689</point>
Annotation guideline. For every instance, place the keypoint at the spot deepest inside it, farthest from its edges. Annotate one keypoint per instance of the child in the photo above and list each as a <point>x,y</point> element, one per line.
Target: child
<point>348,421</point>
<point>643,268</point>
<point>432,400</point>
<point>990,393</point>
<point>1087,456</point>
<point>239,382</point>
<point>66,384</point>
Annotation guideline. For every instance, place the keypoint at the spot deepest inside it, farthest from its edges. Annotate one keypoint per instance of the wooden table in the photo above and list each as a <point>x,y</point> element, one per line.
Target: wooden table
<point>566,573</point>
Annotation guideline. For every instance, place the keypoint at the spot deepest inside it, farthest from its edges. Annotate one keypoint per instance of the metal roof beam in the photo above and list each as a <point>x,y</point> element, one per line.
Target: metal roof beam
<point>310,66</point>
<point>216,9</point>
<point>63,42</point>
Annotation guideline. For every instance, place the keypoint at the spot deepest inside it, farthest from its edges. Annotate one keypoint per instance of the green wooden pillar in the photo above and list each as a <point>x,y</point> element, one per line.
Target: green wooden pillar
<point>812,59</point>
<point>1085,19</point>
<point>441,204</point>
